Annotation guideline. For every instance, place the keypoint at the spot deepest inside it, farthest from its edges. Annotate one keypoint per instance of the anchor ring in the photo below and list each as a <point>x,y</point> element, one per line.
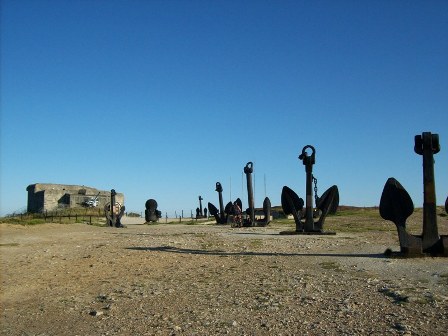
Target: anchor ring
<point>249,168</point>
<point>218,187</point>
<point>305,154</point>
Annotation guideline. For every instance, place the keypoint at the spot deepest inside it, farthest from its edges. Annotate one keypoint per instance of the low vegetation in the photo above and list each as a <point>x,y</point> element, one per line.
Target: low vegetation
<point>92,216</point>
<point>347,219</point>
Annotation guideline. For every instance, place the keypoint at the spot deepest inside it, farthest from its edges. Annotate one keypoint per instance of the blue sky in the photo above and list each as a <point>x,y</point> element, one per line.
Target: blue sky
<point>162,99</point>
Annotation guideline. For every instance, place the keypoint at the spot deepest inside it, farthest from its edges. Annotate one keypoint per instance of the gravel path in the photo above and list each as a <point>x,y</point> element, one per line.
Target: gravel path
<point>214,280</point>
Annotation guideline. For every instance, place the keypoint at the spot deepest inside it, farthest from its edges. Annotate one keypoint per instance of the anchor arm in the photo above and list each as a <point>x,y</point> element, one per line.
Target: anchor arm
<point>292,205</point>
<point>396,205</point>
<point>327,202</point>
<point>214,212</point>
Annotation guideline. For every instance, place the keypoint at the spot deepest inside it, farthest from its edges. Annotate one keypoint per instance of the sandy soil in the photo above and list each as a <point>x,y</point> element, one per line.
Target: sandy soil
<point>177,279</point>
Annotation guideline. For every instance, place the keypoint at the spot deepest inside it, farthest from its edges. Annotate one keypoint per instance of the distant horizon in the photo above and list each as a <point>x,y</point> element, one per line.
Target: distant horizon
<point>173,212</point>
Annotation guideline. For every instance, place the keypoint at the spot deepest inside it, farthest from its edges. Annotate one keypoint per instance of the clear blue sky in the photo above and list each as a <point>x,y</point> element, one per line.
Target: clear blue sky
<point>162,99</point>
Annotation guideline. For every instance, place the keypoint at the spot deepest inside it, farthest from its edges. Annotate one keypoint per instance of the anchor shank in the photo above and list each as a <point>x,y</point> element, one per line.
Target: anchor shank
<point>309,222</point>
<point>221,206</point>
<point>248,169</point>
<point>430,234</point>
<point>200,205</point>
<point>112,206</point>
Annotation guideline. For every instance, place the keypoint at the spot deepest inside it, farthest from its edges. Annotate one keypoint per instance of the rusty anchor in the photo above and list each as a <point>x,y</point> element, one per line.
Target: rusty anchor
<point>292,204</point>
<point>250,219</point>
<point>222,216</point>
<point>199,212</point>
<point>114,211</point>
<point>396,205</point>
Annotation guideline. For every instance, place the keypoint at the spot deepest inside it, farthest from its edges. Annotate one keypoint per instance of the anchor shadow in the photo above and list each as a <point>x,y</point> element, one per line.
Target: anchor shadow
<point>254,234</point>
<point>171,249</point>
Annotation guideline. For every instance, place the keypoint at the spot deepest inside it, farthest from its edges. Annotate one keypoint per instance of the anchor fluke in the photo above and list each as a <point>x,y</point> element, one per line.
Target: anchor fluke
<point>291,202</point>
<point>329,200</point>
<point>395,205</point>
<point>328,204</point>
<point>212,210</point>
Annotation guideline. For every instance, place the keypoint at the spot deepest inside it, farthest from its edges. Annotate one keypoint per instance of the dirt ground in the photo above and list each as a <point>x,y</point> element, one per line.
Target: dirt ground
<point>177,279</point>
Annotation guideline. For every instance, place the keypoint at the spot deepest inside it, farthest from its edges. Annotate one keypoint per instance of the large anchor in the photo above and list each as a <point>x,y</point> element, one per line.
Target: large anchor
<point>292,204</point>
<point>396,205</point>
<point>222,216</point>
<point>114,211</point>
<point>199,212</point>
<point>250,211</point>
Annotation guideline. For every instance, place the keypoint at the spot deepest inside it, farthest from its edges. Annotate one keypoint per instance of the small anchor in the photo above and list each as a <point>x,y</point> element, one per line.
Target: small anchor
<point>114,211</point>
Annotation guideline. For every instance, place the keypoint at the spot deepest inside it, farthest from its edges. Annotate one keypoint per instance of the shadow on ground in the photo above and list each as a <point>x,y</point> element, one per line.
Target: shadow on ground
<point>171,249</point>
